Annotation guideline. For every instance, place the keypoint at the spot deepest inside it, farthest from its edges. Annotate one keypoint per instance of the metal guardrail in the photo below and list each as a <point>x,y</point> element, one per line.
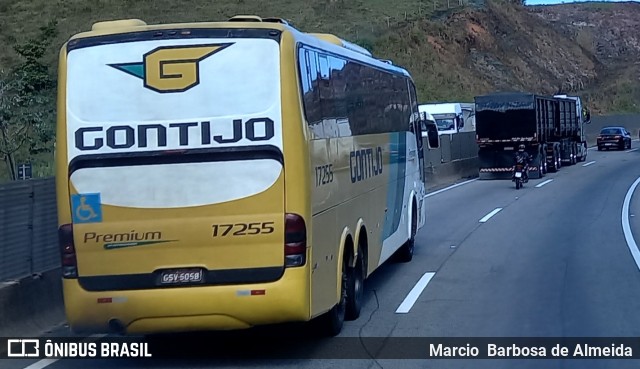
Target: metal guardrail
<point>28,228</point>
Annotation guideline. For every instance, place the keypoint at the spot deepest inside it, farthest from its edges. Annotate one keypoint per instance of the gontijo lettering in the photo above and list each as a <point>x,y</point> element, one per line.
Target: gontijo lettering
<point>130,136</point>
<point>365,163</point>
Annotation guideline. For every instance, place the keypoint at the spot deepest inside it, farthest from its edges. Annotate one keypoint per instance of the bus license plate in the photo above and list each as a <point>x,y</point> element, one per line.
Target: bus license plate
<point>181,276</point>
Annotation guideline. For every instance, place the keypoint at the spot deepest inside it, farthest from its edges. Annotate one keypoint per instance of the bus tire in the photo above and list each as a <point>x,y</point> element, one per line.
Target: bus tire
<point>405,254</point>
<point>355,288</point>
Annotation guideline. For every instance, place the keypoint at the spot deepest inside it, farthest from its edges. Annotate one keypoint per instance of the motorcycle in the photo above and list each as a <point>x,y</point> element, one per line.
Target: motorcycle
<point>519,176</point>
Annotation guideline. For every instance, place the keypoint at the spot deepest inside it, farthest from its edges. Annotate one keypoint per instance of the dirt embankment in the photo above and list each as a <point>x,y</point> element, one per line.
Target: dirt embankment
<point>503,46</point>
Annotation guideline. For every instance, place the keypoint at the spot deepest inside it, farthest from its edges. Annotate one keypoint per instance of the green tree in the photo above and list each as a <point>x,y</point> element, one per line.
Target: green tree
<point>27,102</point>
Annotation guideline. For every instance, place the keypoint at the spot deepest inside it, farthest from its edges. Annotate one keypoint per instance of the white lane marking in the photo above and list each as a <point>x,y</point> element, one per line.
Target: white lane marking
<point>42,364</point>
<point>449,188</point>
<point>632,150</point>
<point>46,362</point>
<point>626,227</point>
<point>488,216</point>
<point>589,163</point>
<point>415,292</point>
<point>544,183</point>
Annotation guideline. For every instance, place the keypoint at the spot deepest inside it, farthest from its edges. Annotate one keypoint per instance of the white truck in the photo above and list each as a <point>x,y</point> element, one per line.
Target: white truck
<point>448,116</point>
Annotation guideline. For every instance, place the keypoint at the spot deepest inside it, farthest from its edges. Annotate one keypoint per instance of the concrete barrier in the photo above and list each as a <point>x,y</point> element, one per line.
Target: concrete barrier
<point>456,158</point>
<point>30,306</point>
<point>448,173</point>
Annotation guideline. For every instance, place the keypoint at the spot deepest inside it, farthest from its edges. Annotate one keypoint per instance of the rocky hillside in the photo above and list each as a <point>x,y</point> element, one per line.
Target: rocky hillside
<point>610,32</point>
<point>498,47</point>
<point>591,48</point>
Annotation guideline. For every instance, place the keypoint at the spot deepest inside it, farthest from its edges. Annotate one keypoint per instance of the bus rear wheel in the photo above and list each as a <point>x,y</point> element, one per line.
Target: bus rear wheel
<point>355,288</point>
<point>405,253</point>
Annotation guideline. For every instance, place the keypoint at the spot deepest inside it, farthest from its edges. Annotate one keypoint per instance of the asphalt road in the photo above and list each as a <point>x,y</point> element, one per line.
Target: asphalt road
<point>553,261</point>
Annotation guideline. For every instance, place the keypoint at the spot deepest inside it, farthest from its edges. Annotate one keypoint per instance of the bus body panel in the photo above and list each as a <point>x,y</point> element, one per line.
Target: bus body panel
<point>161,180</point>
<point>364,166</point>
<point>189,308</point>
<point>384,205</point>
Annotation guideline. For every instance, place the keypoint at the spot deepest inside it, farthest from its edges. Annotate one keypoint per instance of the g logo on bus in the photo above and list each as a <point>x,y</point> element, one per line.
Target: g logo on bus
<point>171,68</point>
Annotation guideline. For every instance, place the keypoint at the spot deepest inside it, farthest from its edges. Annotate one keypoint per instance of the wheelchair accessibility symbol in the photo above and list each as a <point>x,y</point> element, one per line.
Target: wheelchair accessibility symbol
<point>86,208</point>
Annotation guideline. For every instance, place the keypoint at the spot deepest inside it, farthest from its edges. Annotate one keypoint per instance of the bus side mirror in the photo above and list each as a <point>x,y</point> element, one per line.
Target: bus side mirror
<point>432,136</point>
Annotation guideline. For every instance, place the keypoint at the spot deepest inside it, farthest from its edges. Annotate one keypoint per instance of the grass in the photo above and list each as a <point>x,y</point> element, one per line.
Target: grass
<point>353,19</point>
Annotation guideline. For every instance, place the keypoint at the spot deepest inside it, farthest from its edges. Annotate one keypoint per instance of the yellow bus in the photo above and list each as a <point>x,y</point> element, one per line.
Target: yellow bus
<point>224,175</point>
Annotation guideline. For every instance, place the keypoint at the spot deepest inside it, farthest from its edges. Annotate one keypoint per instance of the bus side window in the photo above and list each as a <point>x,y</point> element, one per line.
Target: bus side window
<point>338,86</point>
<point>309,76</point>
<point>326,96</point>
<point>415,113</point>
<point>324,66</point>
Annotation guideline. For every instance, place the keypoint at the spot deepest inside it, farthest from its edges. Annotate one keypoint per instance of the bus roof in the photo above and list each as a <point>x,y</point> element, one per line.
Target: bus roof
<point>326,41</point>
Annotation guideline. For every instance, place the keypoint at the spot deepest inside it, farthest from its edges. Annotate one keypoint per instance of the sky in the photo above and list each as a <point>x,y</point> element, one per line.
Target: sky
<point>538,2</point>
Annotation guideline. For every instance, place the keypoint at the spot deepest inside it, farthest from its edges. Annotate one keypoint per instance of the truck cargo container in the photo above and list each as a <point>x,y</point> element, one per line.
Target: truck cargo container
<point>550,127</point>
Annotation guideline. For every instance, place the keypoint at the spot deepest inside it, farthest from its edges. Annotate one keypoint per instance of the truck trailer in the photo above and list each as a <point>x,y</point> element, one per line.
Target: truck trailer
<point>583,116</point>
<point>550,127</point>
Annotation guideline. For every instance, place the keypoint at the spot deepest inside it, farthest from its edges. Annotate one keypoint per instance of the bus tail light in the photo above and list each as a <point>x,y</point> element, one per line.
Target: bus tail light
<point>68,251</point>
<point>295,240</point>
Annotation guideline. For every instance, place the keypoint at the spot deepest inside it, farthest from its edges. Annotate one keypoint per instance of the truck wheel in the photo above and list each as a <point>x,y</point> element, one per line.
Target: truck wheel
<point>554,165</point>
<point>541,168</point>
<point>559,164</point>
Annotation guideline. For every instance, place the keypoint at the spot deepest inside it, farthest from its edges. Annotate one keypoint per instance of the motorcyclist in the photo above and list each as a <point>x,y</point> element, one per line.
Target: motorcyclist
<point>523,157</point>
